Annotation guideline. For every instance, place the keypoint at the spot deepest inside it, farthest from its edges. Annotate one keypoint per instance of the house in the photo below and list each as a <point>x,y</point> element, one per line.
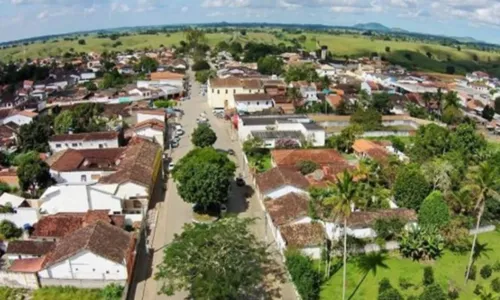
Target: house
<point>22,249</point>
<point>17,117</point>
<point>280,181</point>
<point>88,140</point>
<point>143,92</point>
<point>334,100</point>
<point>99,251</point>
<point>55,227</point>
<point>253,102</point>
<point>22,214</point>
<point>292,157</point>
<point>170,78</point>
<point>370,149</point>
<point>308,90</point>
<point>151,128</point>
<point>13,200</point>
<point>9,176</point>
<point>282,216</point>
<point>86,76</point>
<point>221,91</point>
<point>272,128</point>
<point>84,165</point>
<point>157,114</point>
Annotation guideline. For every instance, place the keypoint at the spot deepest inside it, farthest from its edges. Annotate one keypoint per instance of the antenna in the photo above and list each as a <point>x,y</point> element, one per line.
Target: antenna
<point>318,175</point>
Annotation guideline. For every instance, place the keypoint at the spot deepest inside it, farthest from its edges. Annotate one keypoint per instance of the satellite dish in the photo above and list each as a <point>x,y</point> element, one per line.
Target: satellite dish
<point>318,175</point>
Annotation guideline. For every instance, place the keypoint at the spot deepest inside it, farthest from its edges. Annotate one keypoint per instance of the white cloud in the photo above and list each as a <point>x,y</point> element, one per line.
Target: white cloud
<point>184,9</point>
<point>90,10</point>
<point>119,7</point>
<point>214,14</point>
<point>288,4</point>
<point>43,14</point>
<point>225,3</point>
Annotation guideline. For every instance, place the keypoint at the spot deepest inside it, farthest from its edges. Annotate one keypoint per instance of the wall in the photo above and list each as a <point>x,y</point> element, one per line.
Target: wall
<point>86,265</point>
<point>141,117</point>
<point>152,133</point>
<point>129,189</point>
<point>76,177</point>
<point>83,200</point>
<point>283,190</point>
<point>19,280</point>
<point>80,144</point>
<point>313,252</point>
<point>79,283</point>
<point>18,119</point>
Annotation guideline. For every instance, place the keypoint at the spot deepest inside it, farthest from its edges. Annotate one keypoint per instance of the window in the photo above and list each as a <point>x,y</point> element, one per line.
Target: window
<point>107,272</point>
<point>267,102</point>
<point>58,145</point>
<point>84,178</point>
<point>257,102</point>
<point>234,91</point>
<point>74,145</point>
<point>226,91</point>
<point>101,146</point>
<point>218,92</point>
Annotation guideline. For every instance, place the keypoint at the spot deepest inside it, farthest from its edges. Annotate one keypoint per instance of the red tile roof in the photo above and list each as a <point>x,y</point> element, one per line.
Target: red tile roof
<point>27,265</point>
<point>287,208</point>
<point>364,219</point>
<point>106,159</point>
<point>303,235</point>
<point>291,157</point>
<point>278,177</point>
<point>29,247</point>
<point>166,76</point>
<point>151,123</point>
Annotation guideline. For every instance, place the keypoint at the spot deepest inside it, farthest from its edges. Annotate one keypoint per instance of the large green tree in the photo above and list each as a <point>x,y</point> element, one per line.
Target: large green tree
<point>33,173</point>
<point>35,135</point>
<point>64,122</point>
<point>222,260</point>
<point>382,103</point>
<point>203,136</point>
<point>368,119</point>
<point>301,72</point>
<point>483,181</point>
<point>434,211</point>
<point>410,187</point>
<point>204,75</point>
<point>467,141</point>
<point>429,141</point>
<point>270,65</point>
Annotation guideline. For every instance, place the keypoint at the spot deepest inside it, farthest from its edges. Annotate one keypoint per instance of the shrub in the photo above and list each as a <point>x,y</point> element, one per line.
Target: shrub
<point>410,187</point>
<point>390,294</point>
<point>405,283</point>
<point>112,292</point>
<point>383,285</point>
<point>9,229</point>
<point>428,276</point>
<point>389,229</point>
<point>307,166</point>
<point>200,65</point>
<point>495,285</point>
<point>496,266</point>
<point>472,274</point>
<point>453,293</point>
<point>478,289</point>
<point>203,136</point>
<point>304,275</point>
<point>434,211</point>
<point>486,271</point>
<point>433,292</point>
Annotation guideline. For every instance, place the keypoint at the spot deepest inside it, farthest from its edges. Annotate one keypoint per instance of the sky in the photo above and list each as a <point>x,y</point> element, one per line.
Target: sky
<point>29,18</point>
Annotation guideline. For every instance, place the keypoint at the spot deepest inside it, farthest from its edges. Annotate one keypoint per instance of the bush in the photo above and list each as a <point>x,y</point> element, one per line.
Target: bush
<point>496,266</point>
<point>405,283</point>
<point>472,274</point>
<point>478,289</point>
<point>495,285</point>
<point>434,211</point>
<point>433,292</point>
<point>203,136</point>
<point>112,292</point>
<point>453,293</point>
<point>200,65</point>
<point>410,187</point>
<point>384,285</point>
<point>428,276</point>
<point>390,294</point>
<point>486,271</point>
<point>389,229</point>
<point>304,275</point>
<point>9,230</point>
<point>307,166</point>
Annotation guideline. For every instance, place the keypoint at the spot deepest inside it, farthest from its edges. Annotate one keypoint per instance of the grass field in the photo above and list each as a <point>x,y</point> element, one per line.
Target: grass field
<point>449,268</point>
<point>340,45</point>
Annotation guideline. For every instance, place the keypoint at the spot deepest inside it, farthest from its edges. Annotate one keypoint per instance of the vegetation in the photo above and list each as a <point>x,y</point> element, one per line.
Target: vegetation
<point>9,230</point>
<point>410,188</point>
<point>82,118</point>
<point>307,166</point>
<point>35,135</point>
<point>204,75</point>
<point>232,267</point>
<point>68,293</point>
<point>304,275</point>
<point>421,243</point>
<point>33,174</point>
<point>203,136</point>
<point>200,65</point>
<point>270,65</point>
<point>434,211</point>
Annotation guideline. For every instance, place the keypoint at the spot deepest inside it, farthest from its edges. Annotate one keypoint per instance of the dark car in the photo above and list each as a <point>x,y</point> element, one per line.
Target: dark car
<point>231,152</point>
<point>240,181</point>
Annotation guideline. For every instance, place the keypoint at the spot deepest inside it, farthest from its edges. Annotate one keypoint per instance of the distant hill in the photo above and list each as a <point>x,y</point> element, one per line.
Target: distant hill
<point>466,39</point>
<point>372,26</point>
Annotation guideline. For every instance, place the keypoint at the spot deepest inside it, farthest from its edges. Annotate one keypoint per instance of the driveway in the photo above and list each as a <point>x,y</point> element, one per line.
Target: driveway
<point>173,213</point>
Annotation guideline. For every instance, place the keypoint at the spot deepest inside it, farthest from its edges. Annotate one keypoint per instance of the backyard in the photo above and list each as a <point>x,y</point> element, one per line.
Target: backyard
<point>362,282</point>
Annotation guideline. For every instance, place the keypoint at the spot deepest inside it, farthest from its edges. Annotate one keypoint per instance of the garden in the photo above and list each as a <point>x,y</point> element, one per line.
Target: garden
<point>110,292</point>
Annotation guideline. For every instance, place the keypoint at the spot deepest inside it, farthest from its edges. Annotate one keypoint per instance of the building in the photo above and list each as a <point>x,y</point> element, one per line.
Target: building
<point>221,91</point>
<point>292,157</point>
<point>271,128</point>
<point>78,141</point>
<point>22,249</point>
<point>253,102</point>
<point>148,114</point>
<point>280,181</point>
<point>168,78</point>
<point>96,252</point>
<point>21,214</point>
<point>152,128</point>
<point>17,117</point>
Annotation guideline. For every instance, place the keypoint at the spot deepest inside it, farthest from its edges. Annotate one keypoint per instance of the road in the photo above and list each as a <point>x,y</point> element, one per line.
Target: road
<point>173,212</point>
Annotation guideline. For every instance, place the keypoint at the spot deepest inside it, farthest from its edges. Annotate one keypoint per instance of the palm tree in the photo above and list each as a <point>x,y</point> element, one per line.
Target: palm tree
<point>345,194</point>
<point>484,183</point>
<point>293,94</point>
<point>451,100</point>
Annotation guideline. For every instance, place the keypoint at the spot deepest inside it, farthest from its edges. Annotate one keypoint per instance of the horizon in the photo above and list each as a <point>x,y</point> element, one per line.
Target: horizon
<point>24,19</point>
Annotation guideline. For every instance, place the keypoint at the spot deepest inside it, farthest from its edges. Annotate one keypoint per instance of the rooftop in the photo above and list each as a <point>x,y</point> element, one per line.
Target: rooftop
<point>271,134</point>
<point>29,247</point>
<point>88,136</point>
<point>166,76</point>
<point>291,157</point>
<point>303,235</point>
<point>252,97</point>
<point>106,159</point>
<point>278,177</point>
<point>363,219</point>
<point>287,208</point>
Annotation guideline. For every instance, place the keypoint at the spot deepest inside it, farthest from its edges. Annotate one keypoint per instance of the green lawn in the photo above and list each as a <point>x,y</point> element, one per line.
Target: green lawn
<point>66,293</point>
<point>449,268</point>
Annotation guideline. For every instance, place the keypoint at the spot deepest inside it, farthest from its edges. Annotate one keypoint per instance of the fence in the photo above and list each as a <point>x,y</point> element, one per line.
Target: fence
<point>483,229</point>
<point>19,280</point>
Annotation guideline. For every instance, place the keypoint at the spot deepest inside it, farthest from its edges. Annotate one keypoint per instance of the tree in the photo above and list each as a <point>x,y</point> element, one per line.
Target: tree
<point>63,123</point>
<point>9,230</point>
<point>382,103</point>
<point>345,140</point>
<point>389,228</point>
<point>410,187</point>
<point>164,103</point>
<point>438,173</point>
<point>387,49</point>
<point>293,95</point>
<point>307,166</point>
<point>452,115</point>
<point>112,291</point>
<point>497,105</point>
<point>467,141</point>
<point>390,294</point>
<point>301,72</point>
<point>304,275</point>
<point>90,86</point>
<point>81,42</point>
<point>35,135</point>
<point>488,113</point>
<point>368,119</point>
<point>203,136</point>
<point>200,65</point>
<point>222,260</point>
<point>147,64</point>
<point>194,37</point>
<point>33,174</point>
<point>344,194</point>
<point>450,70</point>
<point>270,65</point>
<point>325,82</point>
<point>430,141</point>
<point>434,211</point>
<point>204,75</point>
<point>451,100</point>
<point>252,145</point>
<point>483,181</point>
<point>433,292</point>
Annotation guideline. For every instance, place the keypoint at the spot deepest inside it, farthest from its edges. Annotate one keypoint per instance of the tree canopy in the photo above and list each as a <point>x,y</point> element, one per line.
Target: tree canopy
<point>203,136</point>
<point>200,65</point>
<point>301,72</point>
<point>82,118</point>
<point>35,135</point>
<point>434,211</point>
<point>222,260</point>
<point>270,65</point>
<point>410,187</point>
<point>33,173</point>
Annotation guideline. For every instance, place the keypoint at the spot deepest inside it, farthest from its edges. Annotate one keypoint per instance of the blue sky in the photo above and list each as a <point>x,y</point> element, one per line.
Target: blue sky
<point>27,18</point>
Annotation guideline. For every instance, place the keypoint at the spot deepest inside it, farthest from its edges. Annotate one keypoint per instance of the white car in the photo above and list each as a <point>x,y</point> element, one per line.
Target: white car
<point>171,167</point>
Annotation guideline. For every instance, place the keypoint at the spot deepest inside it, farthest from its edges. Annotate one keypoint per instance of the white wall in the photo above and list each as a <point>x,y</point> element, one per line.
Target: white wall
<point>141,117</point>
<point>18,119</point>
<point>23,215</point>
<point>253,106</point>
<point>283,190</point>
<point>78,198</point>
<point>313,252</point>
<point>317,136</point>
<point>80,144</point>
<point>76,177</point>
<point>151,133</point>
<point>129,190</point>
<point>86,265</point>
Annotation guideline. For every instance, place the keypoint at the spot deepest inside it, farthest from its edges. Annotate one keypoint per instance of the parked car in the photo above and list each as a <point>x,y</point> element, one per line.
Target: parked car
<point>174,144</point>
<point>231,152</point>
<point>171,166</point>
<point>240,181</point>
<point>179,132</point>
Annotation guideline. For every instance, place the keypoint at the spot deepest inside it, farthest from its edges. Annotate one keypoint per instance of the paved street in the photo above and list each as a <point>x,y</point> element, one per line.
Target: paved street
<point>173,213</point>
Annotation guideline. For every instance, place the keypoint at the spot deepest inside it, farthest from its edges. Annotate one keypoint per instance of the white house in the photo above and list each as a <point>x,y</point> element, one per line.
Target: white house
<point>145,115</point>
<point>86,76</point>
<point>22,213</point>
<point>280,181</point>
<point>168,78</point>
<point>274,127</point>
<point>90,140</point>
<point>151,128</point>
<point>19,117</point>
<point>221,91</point>
<point>143,92</point>
<point>253,102</point>
<point>99,251</point>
